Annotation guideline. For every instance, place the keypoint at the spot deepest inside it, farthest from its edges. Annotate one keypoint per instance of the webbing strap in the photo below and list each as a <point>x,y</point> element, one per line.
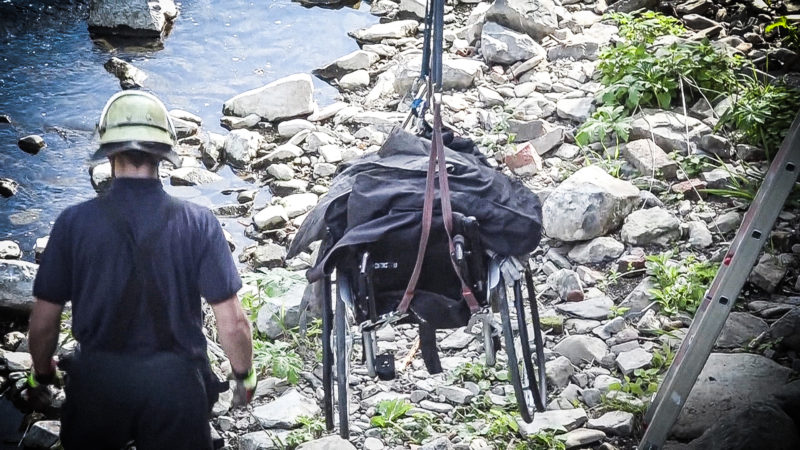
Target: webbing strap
<point>436,157</point>
<point>140,285</point>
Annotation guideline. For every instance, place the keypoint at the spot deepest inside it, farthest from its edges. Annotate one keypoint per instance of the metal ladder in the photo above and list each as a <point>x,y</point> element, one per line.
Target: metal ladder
<point>721,296</point>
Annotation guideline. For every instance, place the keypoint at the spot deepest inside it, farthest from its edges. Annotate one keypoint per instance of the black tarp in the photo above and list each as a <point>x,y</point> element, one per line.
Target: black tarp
<point>381,193</point>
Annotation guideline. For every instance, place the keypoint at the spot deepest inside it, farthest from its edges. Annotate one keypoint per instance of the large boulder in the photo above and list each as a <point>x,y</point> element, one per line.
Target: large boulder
<point>131,17</point>
<point>504,46</point>
<point>457,73</point>
<point>762,425</point>
<point>536,18</point>
<point>16,285</point>
<point>651,226</point>
<point>588,204</point>
<point>285,98</point>
<point>729,382</point>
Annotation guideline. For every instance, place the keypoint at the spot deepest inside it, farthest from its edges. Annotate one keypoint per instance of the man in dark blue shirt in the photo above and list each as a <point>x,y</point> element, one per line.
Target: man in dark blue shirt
<point>135,263</point>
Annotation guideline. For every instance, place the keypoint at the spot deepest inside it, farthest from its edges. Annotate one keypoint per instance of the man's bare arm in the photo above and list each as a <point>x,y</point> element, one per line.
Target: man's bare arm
<point>235,334</point>
<point>45,324</point>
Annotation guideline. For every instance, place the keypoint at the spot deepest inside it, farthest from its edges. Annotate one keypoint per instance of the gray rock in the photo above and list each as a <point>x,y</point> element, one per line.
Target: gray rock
<point>284,411</point>
<point>238,123</point>
<point>740,329</point>
<point>299,204</point>
<point>263,440</point>
<point>17,361</point>
<point>716,145</point>
<point>439,443</point>
<point>192,176</point>
<point>289,128</point>
<point>536,18</point>
<point>581,349</point>
<point>285,152</point>
<point>624,347</point>
<point>553,138</point>
<point>271,217</point>
<point>526,130</point>
<point>634,359</point>
<point>649,158</point>
<point>372,443</point>
<point>457,73</point>
<point>768,273</point>
<point>699,235</point>
<point>503,46</point>
<point>787,329</point>
<point>603,383</point>
<point>651,226</point>
<point>668,129</point>
<point>457,340</point>
<point>128,75</point>
<point>568,419</point>
<point>718,178</point>
<point>567,284</point>
<point>241,147</point>
<point>728,221</point>
<point>327,112</point>
<point>391,30</point>
<point>576,49</point>
<point>599,249</point>
<point>16,285</point>
<point>268,255</point>
<point>441,408</point>
<point>558,371</point>
<point>333,442</point>
<point>592,308</point>
<point>285,98</point>
<point>718,390</point>
<point>131,18</point>
<point>588,204</point>
<point>618,423</point>
<point>42,434</point>
<point>212,149</point>
<point>454,394</point>
<point>9,250</point>
<point>323,169</point>
<point>490,97</point>
<point>357,60</point>
<point>582,437</point>
<point>280,172</point>
<point>762,425</point>
<point>354,81</point>
<point>9,187</point>
<point>577,109</point>
<point>31,144</point>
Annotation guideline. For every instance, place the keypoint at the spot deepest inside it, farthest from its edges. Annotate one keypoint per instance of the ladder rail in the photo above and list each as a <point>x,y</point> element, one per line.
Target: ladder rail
<point>713,312</point>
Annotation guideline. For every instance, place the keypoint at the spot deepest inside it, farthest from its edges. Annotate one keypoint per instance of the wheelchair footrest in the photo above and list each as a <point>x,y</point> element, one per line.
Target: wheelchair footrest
<point>384,366</point>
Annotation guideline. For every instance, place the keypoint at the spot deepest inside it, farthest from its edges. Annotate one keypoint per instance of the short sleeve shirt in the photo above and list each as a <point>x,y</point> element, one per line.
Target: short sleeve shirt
<point>88,261</point>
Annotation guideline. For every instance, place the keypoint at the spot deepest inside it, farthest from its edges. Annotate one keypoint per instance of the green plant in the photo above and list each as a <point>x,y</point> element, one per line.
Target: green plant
<point>647,26</point>
<point>617,311</point>
<point>392,416</point>
<point>310,428</point>
<point>762,112</point>
<point>278,359</point>
<point>544,440</point>
<point>267,283</point>
<point>693,165</point>
<point>635,75</point>
<point>789,32</point>
<point>605,121</point>
<point>740,186</point>
<point>680,286</point>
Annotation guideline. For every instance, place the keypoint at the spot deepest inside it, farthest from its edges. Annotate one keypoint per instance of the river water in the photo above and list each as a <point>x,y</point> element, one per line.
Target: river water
<point>52,83</point>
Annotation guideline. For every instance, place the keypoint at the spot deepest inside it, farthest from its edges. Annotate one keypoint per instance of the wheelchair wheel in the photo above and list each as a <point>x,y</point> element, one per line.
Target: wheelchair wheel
<point>530,396</point>
<point>335,353</point>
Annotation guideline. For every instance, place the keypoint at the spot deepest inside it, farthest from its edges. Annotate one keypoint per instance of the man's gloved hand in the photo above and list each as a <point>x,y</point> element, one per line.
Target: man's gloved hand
<point>245,387</point>
<point>37,394</point>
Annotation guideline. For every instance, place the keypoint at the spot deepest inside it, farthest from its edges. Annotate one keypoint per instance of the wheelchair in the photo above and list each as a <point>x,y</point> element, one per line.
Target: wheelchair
<point>369,282</point>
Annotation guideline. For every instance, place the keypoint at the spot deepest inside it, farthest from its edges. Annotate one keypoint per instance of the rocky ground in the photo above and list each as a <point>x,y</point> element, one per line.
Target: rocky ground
<point>632,233</point>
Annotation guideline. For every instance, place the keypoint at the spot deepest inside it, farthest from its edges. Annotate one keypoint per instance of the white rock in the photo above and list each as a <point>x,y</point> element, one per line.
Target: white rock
<point>289,128</point>
<point>280,172</point>
<point>283,412</point>
<point>331,153</point>
<point>634,359</point>
<point>415,8</point>
<point>504,46</point>
<point>457,73</point>
<point>298,204</point>
<point>241,147</point>
<point>16,285</point>
<point>17,361</point>
<point>324,169</point>
<point>354,81</point>
<point>599,249</point>
<point>650,226</point>
<point>285,98</point>
<point>357,60</point>
<point>9,250</point>
<point>327,112</point>
<point>581,349</point>
<point>332,442</point>
<point>270,217</point>
<point>192,176</point>
<point>391,30</point>
<point>537,18</point>
<point>563,418</point>
<point>577,109</point>
<point>619,423</point>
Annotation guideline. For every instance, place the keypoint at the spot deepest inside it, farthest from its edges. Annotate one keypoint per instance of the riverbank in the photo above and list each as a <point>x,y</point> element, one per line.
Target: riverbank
<point>550,94</point>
